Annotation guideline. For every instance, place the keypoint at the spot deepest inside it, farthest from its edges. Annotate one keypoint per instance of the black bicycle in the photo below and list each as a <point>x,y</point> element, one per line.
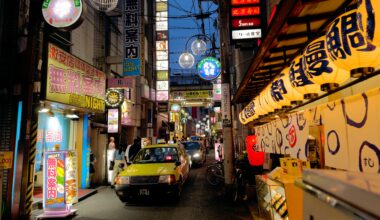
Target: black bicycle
<point>215,174</point>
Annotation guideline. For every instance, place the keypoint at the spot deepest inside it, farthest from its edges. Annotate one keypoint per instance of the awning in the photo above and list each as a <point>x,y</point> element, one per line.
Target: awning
<point>295,24</point>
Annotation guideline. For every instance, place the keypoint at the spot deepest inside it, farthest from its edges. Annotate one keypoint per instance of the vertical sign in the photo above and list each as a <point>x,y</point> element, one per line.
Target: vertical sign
<point>226,104</point>
<point>113,120</point>
<point>133,31</point>
<point>54,181</point>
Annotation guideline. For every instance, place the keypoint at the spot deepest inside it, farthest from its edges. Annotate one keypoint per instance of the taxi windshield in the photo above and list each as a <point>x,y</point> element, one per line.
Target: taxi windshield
<point>156,155</point>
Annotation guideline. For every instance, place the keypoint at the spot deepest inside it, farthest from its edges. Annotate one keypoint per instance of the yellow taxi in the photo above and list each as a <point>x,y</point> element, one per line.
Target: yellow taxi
<point>157,170</point>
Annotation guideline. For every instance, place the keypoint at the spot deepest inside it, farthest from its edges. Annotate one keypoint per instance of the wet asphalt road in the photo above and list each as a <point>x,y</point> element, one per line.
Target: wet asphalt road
<point>199,201</point>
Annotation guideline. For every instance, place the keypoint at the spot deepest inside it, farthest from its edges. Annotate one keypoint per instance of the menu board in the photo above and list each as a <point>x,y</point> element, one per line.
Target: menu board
<point>54,181</point>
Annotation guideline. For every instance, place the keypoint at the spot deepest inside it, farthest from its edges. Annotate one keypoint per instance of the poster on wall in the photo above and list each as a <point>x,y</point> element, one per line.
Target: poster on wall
<point>113,120</point>
<point>72,81</point>
<point>127,116</point>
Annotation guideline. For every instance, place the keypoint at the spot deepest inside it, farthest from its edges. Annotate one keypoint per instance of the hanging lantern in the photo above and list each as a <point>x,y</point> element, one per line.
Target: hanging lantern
<point>259,109</point>
<point>299,80</point>
<point>248,112</point>
<point>268,99</point>
<point>277,89</point>
<point>198,47</point>
<point>320,69</point>
<point>104,5</point>
<point>290,93</point>
<point>370,19</point>
<point>186,60</point>
<point>264,104</point>
<point>348,47</point>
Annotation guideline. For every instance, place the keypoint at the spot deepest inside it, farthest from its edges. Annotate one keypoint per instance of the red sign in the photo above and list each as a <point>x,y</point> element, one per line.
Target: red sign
<point>292,136</point>
<point>246,22</point>
<point>245,11</point>
<point>244,2</point>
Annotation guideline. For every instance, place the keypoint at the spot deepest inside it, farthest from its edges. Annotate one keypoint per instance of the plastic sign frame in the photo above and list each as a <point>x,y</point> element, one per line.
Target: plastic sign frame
<point>66,14</point>
<point>114,98</point>
<point>209,68</point>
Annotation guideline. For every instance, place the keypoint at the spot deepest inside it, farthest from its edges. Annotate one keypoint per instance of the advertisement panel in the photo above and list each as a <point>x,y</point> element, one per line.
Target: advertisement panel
<point>6,159</point>
<point>217,92</point>
<point>162,85</point>
<point>126,114</point>
<point>125,82</point>
<point>162,95</point>
<point>226,104</point>
<point>133,36</point>
<point>54,181</point>
<point>246,34</point>
<point>162,75</point>
<point>197,94</point>
<point>72,81</point>
<point>113,120</point>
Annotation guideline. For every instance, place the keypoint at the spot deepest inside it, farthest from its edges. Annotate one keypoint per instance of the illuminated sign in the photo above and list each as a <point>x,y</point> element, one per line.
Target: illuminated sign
<point>246,22</point>
<point>62,13</point>
<point>162,65</point>
<point>245,2</point>
<point>217,109</point>
<point>246,34</point>
<point>162,85</point>
<point>125,82</point>
<point>127,114</point>
<point>54,181</point>
<point>209,68</point>
<point>162,95</point>
<point>72,81</point>
<point>162,45</point>
<point>161,6</point>
<point>113,121</point>
<point>162,25</point>
<point>217,91</point>
<point>162,75</point>
<point>245,11</point>
<point>197,94</point>
<point>6,159</point>
<point>133,36</point>
<point>161,35</point>
<point>114,98</point>
<point>162,55</point>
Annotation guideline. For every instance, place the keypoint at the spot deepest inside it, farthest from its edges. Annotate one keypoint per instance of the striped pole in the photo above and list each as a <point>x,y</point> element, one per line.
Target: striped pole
<point>32,157</point>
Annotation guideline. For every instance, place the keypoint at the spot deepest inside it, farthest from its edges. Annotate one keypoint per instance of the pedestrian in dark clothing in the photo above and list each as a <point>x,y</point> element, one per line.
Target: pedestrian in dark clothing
<point>134,149</point>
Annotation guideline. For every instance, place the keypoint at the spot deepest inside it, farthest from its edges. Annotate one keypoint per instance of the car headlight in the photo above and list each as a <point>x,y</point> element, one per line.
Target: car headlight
<point>196,155</point>
<point>122,180</point>
<point>167,179</point>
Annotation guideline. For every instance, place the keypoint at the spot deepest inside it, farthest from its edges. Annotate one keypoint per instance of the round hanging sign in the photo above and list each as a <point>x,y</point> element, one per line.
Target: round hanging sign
<point>114,98</point>
<point>66,14</point>
<point>209,68</point>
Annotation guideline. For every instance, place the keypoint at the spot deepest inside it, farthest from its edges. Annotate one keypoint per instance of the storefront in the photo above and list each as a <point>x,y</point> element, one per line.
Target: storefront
<point>319,110</point>
<point>72,94</point>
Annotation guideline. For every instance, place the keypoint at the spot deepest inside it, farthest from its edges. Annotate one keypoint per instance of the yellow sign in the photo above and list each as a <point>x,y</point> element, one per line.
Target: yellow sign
<point>6,159</point>
<point>74,82</point>
<point>200,94</point>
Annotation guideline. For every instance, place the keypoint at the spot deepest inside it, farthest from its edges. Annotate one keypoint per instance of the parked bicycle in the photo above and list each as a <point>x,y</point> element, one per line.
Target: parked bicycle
<point>215,174</point>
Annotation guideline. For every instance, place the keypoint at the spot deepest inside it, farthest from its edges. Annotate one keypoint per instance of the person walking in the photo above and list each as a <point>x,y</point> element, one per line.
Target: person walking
<point>119,159</point>
<point>134,149</point>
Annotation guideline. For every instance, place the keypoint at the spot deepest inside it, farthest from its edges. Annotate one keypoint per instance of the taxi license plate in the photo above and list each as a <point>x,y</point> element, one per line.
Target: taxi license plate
<point>144,192</point>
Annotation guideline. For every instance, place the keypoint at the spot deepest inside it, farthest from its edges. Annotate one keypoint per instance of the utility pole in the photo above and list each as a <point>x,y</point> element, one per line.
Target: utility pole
<point>226,96</point>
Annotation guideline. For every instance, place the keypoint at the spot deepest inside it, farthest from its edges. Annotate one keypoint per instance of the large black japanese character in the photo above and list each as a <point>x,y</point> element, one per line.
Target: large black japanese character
<point>334,45</point>
<point>131,52</point>
<point>278,89</point>
<point>131,19</point>
<point>316,59</point>
<point>131,36</point>
<point>297,75</point>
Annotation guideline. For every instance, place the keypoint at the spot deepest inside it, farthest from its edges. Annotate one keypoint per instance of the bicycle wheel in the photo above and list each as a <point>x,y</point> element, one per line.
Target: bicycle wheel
<point>213,174</point>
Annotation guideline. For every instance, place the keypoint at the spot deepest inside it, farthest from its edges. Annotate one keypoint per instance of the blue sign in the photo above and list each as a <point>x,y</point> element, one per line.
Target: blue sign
<point>209,68</point>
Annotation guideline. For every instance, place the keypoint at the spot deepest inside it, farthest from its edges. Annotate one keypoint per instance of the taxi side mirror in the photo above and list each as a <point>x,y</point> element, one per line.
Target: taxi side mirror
<point>177,163</point>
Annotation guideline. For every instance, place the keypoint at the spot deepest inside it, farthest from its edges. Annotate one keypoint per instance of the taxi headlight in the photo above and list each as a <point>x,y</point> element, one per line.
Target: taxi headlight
<point>167,179</point>
<point>196,155</point>
<point>122,180</point>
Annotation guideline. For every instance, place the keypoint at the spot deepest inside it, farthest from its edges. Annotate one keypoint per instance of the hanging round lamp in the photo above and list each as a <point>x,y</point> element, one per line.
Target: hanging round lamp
<point>198,47</point>
<point>186,60</point>
<point>259,109</point>
<point>320,69</point>
<point>348,47</point>
<point>249,111</point>
<point>104,5</point>
<point>300,81</point>
<point>290,93</point>
<point>368,12</point>
<point>263,103</point>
